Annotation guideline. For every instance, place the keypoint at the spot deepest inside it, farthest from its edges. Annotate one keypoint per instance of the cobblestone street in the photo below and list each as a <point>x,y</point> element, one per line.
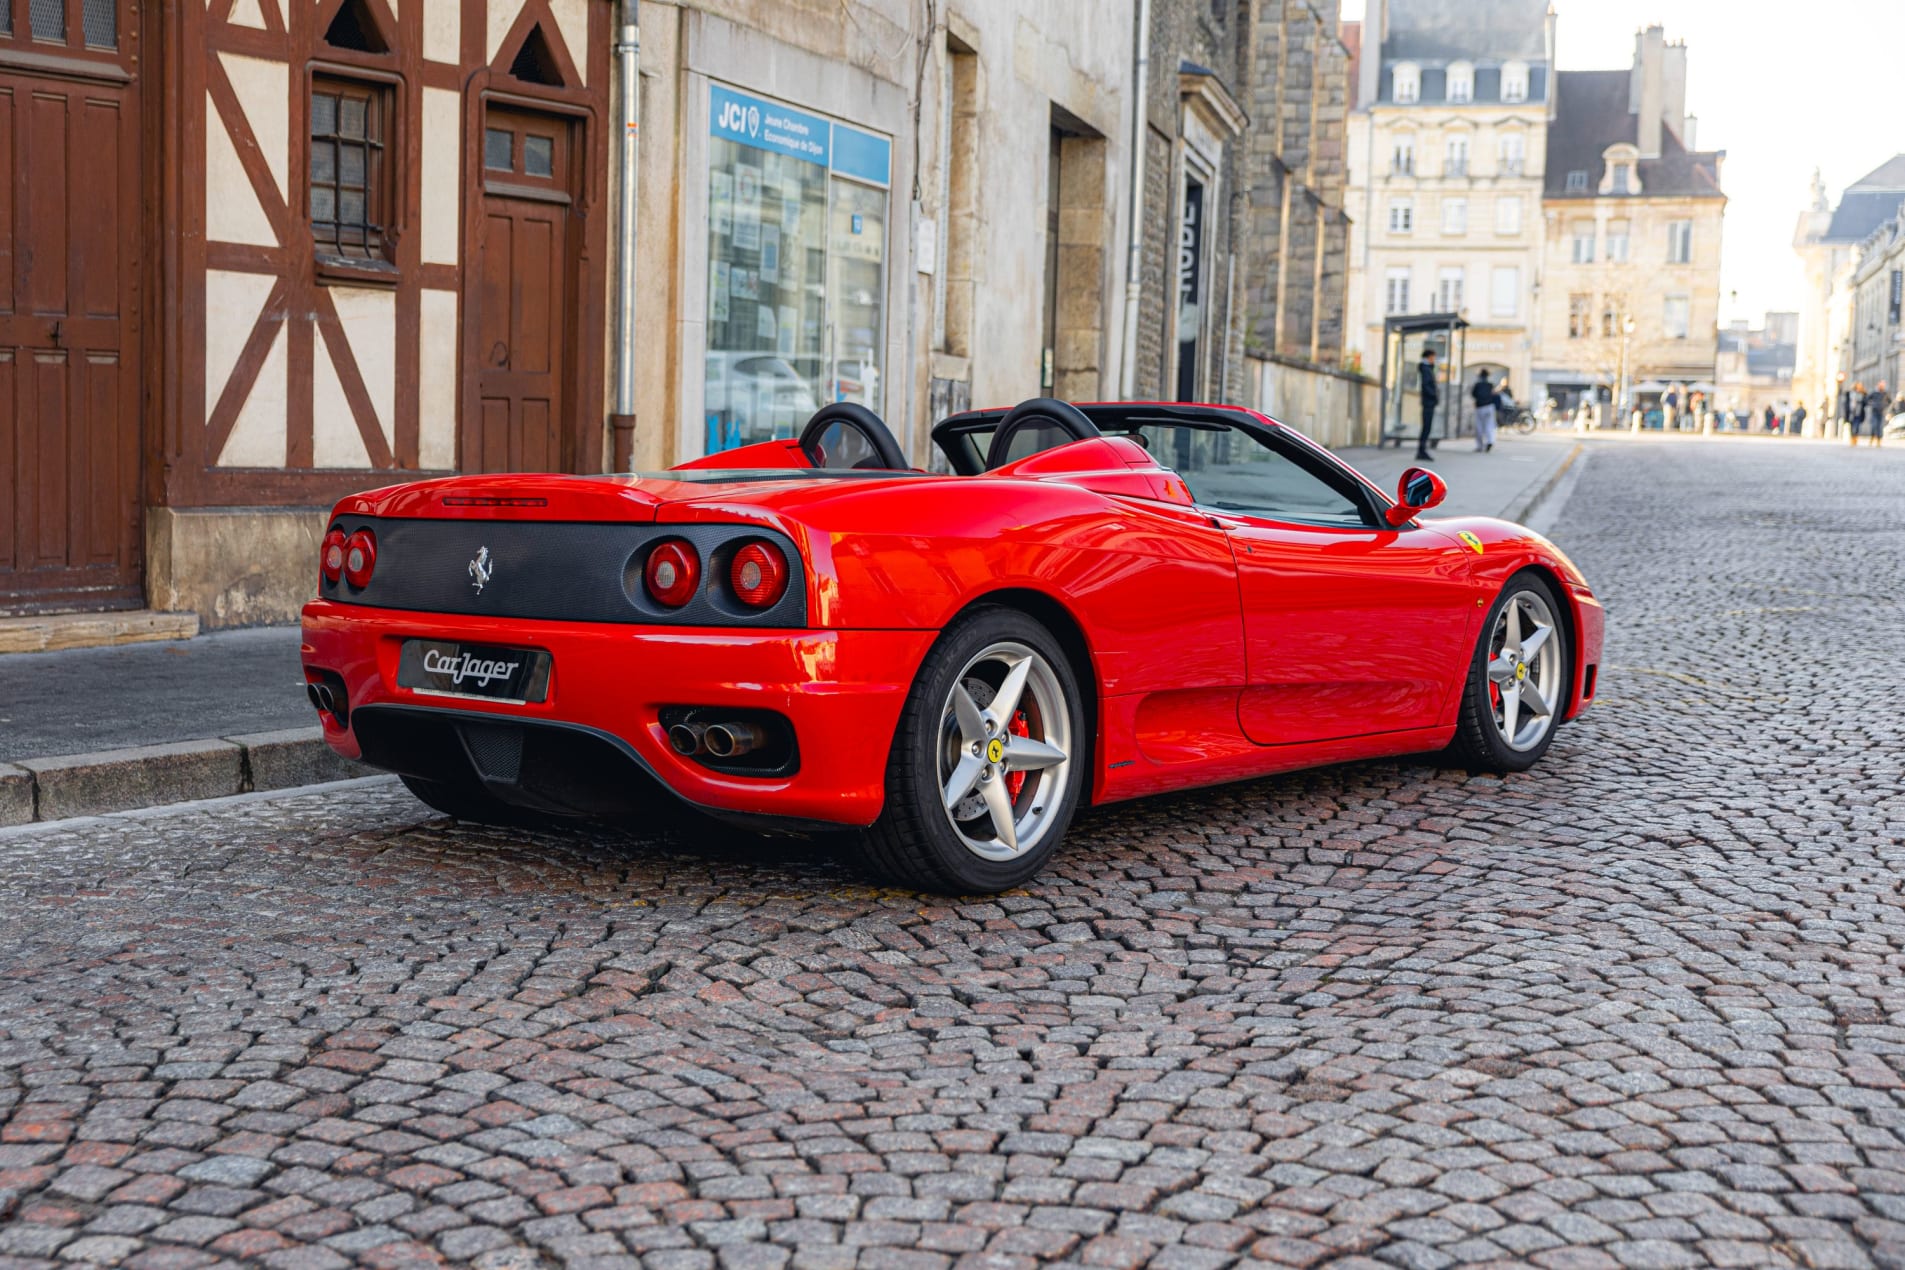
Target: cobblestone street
<point>1644,1005</point>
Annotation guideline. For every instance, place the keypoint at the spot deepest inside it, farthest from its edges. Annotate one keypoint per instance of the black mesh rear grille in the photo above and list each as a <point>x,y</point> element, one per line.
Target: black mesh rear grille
<point>495,748</point>
<point>557,571</point>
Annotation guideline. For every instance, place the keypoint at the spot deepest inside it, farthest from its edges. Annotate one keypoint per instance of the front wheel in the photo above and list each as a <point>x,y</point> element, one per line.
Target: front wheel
<point>1518,681</point>
<point>988,762</point>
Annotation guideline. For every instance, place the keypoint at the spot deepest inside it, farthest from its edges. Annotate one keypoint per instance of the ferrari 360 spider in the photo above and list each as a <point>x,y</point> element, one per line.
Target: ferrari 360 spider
<point>1092,603</point>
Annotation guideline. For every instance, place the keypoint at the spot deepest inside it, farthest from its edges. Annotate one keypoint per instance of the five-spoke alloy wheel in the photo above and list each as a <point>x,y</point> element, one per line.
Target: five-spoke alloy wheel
<point>1518,683</point>
<point>985,772</point>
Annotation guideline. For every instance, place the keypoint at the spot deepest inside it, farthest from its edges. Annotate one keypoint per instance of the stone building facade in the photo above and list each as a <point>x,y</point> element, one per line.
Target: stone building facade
<point>1848,318</point>
<point>1244,233</point>
<point>1446,166</point>
<point>1633,212</point>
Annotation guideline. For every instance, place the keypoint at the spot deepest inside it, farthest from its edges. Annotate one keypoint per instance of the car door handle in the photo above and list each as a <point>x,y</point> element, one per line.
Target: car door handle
<point>1218,522</point>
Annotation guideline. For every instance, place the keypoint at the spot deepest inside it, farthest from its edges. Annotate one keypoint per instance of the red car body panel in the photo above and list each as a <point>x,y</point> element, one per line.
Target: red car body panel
<point>1216,647</point>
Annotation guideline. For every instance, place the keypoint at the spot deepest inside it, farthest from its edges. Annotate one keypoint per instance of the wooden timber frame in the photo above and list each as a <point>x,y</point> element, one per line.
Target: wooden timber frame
<point>191,46</point>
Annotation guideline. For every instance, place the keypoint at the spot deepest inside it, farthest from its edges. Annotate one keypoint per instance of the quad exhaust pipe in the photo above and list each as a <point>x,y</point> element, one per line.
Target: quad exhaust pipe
<point>721,740</point>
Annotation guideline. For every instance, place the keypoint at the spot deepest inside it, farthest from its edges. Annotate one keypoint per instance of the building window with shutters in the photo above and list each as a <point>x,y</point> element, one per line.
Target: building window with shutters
<point>1508,214</point>
<point>1455,216</point>
<point>1679,242</point>
<point>1512,156</point>
<point>1580,315</point>
<point>351,181</point>
<point>1449,287</point>
<point>1396,290</point>
<point>1676,316</point>
<point>1504,300</point>
<point>1515,81</point>
<point>1402,215</point>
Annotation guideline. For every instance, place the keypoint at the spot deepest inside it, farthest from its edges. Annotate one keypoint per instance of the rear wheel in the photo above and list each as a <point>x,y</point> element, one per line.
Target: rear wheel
<point>988,763</point>
<point>1518,682</point>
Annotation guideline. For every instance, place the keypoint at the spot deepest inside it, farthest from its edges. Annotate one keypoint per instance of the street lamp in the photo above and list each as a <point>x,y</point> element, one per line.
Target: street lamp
<point>1621,395</point>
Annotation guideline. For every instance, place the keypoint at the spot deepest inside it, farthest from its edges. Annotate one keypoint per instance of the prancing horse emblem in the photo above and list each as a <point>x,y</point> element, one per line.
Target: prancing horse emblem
<point>481,570</point>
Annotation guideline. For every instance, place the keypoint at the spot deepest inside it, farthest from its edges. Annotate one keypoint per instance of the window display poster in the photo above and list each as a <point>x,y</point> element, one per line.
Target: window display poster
<point>788,326</point>
<point>720,201</point>
<point>747,227</point>
<point>747,189</point>
<point>718,283</point>
<point>745,284</point>
<point>764,326</point>
<point>770,253</point>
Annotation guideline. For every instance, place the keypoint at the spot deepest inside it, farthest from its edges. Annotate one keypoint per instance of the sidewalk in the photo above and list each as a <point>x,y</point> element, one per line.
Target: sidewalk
<point>93,730</point>
<point>1508,481</point>
<point>89,731</point>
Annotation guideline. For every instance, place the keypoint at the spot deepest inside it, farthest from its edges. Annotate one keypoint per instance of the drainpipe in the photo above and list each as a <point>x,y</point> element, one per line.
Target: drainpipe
<point>628,50</point>
<point>1128,371</point>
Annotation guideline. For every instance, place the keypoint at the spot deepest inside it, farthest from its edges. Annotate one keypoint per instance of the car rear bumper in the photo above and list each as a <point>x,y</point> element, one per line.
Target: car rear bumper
<point>596,744</point>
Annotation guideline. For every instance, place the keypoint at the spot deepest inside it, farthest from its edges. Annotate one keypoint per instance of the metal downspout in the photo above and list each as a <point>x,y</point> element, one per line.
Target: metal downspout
<point>628,50</point>
<point>1128,368</point>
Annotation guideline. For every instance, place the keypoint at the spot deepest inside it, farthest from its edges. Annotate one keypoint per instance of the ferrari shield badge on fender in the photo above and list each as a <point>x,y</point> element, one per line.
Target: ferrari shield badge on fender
<point>1463,534</point>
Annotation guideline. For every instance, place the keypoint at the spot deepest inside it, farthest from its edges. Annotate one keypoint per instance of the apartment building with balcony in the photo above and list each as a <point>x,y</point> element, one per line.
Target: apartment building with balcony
<point>1447,143</point>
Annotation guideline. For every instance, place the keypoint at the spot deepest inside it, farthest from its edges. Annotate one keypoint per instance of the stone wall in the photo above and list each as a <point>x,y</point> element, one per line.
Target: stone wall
<point>1331,407</point>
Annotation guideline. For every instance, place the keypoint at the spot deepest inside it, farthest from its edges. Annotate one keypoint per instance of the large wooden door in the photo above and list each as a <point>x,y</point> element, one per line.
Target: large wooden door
<point>521,293</point>
<point>69,339</point>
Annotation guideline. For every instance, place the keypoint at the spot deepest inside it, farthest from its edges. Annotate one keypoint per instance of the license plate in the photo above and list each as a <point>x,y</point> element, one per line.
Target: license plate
<point>443,668</point>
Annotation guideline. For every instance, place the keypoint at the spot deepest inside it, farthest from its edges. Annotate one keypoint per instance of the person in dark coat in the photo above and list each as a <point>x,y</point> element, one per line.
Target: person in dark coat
<point>1431,394</point>
<point>1772,419</point>
<point>1796,421</point>
<point>1852,410</point>
<point>1878,408</point>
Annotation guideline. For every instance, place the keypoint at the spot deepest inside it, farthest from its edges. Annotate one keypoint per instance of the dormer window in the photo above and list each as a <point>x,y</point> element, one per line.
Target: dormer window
<point>1578,181</point>
<point>1623,175</point>
<point>1515,81</point>
<point>1408,86</point>
<point>1461,82</point>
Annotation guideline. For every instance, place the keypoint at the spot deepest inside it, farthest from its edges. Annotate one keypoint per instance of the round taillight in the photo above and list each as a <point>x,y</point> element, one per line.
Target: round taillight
<point>360,558</point>
<point>673,573</point>
<point>758,575</point>
<point>331,555</point>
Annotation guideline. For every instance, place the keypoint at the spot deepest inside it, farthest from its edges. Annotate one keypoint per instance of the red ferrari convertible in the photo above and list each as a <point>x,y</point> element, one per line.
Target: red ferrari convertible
<point>1095,603</point>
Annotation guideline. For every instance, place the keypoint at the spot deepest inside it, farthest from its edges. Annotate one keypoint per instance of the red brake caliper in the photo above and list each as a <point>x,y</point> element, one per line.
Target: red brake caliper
<point>1015,781</point>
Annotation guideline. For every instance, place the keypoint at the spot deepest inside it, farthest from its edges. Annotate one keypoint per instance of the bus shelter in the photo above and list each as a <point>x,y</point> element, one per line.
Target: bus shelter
<point>1404,341</point>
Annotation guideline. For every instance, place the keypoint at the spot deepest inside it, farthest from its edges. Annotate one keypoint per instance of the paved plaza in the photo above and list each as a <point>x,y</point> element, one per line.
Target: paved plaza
<point>1644,1006</point>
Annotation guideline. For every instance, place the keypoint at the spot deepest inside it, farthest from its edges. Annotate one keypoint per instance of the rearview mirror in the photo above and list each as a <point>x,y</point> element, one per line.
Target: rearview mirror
<point>1417,491</point>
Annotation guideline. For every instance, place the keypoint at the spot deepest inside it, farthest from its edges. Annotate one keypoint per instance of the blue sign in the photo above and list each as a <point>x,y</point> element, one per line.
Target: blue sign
<point>769,125</point>
<point>862,155</point>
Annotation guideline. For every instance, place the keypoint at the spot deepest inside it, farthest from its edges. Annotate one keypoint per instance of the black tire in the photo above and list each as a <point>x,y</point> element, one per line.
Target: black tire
<point>914,842</point>
<point>1479,744</point>
<point>471,804</point>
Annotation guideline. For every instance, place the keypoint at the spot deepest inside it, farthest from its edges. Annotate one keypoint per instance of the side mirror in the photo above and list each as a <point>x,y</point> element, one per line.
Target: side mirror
<point>1417,491</point>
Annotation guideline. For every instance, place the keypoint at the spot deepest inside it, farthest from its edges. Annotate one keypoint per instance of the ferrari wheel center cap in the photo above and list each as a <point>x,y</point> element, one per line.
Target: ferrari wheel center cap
<point>1521,672</point>
<point>995,751</point>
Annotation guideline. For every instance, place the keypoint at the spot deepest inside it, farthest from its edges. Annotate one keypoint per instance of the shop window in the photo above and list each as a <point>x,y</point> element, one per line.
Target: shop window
<point>796,269</point>
<point>350,184</point>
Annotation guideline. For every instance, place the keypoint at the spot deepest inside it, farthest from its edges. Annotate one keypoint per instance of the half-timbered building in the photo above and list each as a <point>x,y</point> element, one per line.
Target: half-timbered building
<point>255,254</point>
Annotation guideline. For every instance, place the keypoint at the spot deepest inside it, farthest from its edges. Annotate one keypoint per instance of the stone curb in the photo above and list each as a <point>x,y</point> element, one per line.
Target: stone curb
<point>1524,506</point>
<point>152,775</point>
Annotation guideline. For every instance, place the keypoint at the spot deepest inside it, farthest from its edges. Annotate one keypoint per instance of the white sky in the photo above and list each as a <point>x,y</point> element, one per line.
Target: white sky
<point>1782,88</point>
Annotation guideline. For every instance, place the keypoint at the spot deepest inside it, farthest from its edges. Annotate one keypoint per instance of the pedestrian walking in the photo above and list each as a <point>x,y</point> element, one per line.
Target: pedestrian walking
<point>1878,408</point>
<point>1430,394</point>
<point>1852,410</point>
<point>1796,421</point>
<point>1484,394</point>
<point>1670,410</point>
<point>1771,418</point>
<point>1505,409</point>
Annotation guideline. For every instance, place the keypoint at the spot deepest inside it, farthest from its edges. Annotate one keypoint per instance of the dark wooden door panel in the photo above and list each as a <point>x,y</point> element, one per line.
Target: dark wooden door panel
<point>69,397</point>
<point>520,287</point>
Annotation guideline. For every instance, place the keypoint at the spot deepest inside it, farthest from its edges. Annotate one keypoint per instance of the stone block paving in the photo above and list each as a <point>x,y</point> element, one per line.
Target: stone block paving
<point>1642,1007</point>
